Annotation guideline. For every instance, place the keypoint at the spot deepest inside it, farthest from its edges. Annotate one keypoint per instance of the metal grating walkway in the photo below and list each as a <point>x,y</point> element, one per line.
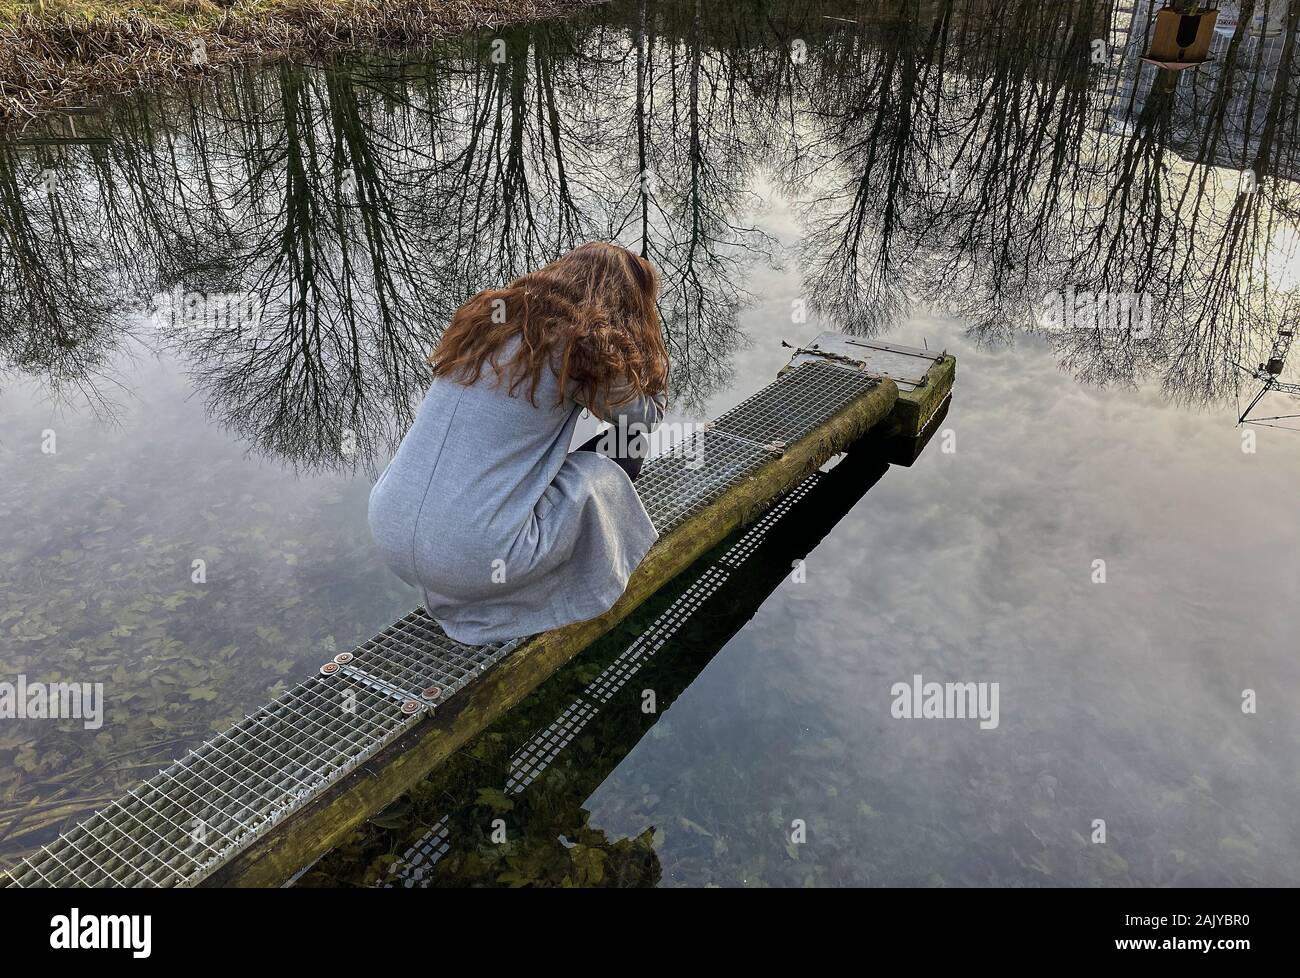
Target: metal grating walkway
<point>799,401</point>
<point>193,816</point>
<point>683,481</point>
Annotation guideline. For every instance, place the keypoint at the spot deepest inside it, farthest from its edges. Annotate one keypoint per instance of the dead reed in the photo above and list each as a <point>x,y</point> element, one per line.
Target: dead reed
<point>56,56</point>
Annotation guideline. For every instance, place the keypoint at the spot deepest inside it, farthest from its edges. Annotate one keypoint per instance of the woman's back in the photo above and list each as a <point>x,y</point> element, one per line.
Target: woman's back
<point>474,467</point>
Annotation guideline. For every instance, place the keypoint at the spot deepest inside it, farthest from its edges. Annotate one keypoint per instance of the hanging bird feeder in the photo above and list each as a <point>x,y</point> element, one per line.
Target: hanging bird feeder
<point>1181,40</point>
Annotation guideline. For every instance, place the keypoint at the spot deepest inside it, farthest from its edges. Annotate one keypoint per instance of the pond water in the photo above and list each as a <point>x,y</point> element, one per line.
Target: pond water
<point>215,305</point>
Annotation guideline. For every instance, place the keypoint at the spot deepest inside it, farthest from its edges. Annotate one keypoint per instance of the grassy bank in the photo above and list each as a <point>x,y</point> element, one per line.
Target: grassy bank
<point>61,53</point>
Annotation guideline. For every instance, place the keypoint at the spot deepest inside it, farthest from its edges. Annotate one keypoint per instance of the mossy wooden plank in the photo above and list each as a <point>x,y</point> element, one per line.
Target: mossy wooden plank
<point>325,821</point>
<point>915,407</point>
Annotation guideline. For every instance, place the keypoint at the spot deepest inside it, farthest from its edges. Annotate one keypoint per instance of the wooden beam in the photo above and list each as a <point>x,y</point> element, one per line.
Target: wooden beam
<point>916,407</point>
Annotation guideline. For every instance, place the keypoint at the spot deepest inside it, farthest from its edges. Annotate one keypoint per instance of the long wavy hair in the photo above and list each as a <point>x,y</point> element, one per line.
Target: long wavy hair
<point>589,315</point>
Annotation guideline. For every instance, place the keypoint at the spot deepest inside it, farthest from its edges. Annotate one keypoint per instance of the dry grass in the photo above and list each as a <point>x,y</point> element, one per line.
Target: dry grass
<point>60,53</point>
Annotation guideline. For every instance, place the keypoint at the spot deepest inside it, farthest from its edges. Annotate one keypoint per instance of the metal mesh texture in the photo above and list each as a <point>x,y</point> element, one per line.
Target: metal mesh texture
<point>200,811</point>
<point>414,656</point>
<point>196,814</point>
<point>799,401</point>
<point>681,482</point>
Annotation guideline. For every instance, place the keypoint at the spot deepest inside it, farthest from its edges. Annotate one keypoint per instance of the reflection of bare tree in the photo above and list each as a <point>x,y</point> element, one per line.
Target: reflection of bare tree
<point>956,152</point>
<point>329,244</point>
<point>360,206</point>
<point>952,166</point>
<point>698,142</point>
<point>868,130</point>
<point>58,319</point>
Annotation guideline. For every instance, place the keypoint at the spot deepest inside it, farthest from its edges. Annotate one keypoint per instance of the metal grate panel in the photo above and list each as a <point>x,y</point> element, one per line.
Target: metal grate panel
<point>698,470</point>
<point>203,808</point>
<point>414,655</point>
<point>800,400</point>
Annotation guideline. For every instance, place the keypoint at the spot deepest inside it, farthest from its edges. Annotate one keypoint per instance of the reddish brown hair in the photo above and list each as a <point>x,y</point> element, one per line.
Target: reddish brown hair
<point>590,314</point>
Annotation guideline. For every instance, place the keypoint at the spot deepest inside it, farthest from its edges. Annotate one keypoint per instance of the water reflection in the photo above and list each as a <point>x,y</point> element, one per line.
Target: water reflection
<point>976,158</point>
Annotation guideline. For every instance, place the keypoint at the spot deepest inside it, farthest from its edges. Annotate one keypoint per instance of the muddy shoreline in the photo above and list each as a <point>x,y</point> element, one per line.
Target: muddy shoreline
<point>61,60</point>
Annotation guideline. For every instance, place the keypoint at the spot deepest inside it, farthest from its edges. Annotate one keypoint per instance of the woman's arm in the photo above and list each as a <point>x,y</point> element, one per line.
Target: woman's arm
<point>622,407</point>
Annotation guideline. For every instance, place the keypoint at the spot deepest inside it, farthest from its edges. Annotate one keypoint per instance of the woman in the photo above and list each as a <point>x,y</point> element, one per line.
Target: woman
<point>484,507</point>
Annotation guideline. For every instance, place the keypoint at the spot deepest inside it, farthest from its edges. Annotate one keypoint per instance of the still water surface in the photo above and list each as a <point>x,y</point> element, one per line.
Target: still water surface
<point>922,178</point>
